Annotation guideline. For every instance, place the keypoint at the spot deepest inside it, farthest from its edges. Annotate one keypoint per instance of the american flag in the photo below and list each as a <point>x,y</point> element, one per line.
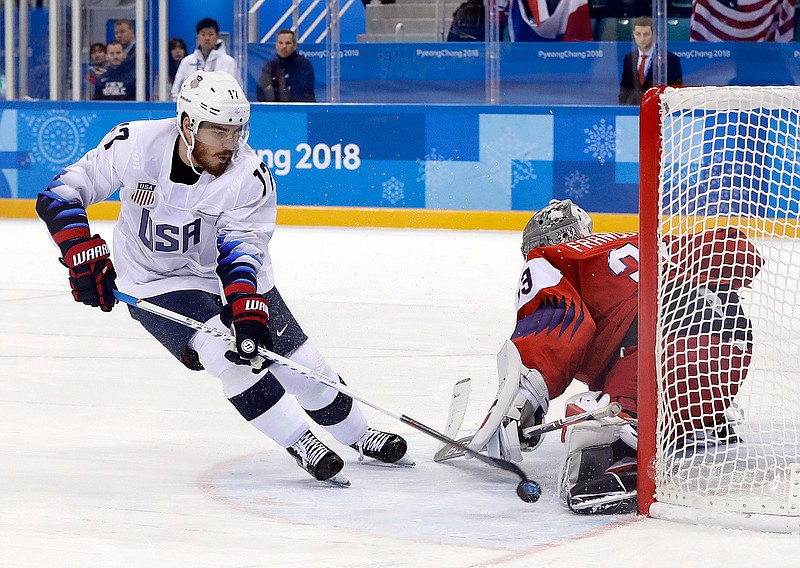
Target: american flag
<point>742,20</point>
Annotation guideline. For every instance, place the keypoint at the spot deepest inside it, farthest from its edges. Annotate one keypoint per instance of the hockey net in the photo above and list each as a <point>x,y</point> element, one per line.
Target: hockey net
<point>719,392</point>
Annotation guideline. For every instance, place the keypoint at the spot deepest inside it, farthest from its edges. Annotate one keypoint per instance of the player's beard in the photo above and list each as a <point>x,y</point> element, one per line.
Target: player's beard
<point>213,161</point>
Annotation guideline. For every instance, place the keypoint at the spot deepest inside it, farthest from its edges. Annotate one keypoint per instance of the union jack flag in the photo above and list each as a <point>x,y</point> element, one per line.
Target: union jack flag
<point>548,20</point>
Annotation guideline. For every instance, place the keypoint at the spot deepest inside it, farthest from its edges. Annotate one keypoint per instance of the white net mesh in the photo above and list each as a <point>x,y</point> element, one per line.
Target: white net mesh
<point>728,336</point>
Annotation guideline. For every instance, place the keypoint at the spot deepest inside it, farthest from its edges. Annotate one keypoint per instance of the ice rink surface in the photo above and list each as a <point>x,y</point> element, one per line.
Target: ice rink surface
<point>113,454</point>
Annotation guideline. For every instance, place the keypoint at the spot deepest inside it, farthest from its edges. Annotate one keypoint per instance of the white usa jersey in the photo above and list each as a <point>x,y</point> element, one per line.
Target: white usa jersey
<point>167,234</point>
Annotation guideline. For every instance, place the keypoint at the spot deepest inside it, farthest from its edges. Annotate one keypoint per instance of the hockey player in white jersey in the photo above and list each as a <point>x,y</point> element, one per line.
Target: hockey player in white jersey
<point>198,209</point>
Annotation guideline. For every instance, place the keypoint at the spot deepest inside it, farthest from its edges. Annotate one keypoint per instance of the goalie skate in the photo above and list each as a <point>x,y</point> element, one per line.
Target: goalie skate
<point>384,447</point>
<point>322,463</point>
<point>716,436</point>
<point>611,493</point>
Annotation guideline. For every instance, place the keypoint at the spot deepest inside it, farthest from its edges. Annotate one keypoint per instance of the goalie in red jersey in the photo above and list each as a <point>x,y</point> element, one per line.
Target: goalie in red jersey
<point>577,318</point>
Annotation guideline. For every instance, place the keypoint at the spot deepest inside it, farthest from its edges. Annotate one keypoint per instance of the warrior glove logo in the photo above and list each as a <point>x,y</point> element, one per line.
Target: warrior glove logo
<point>90,254</point>
<point>256,305</point>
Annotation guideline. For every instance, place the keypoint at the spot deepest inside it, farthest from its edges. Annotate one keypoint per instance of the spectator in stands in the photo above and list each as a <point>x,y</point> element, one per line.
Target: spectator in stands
<point>637,70</point>
<point>289,77</point>
<point>125,35</point>
<point>97,66</point>
<point>210,55</point>
<point>118,83</point>
<point>177,51</point>
<point>469,21</point>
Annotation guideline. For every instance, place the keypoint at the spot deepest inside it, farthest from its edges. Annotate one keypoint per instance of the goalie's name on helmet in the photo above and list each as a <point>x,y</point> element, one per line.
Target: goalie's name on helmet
<point>598,239</point>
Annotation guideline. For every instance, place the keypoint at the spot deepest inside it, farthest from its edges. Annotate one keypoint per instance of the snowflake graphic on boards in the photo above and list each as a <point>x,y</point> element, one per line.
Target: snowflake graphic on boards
<point>393,190</point>
<point>601,142</point>
<point>501,155</point>
<point>436,176</point>
<point>522,170</point>
<point>576,186</point>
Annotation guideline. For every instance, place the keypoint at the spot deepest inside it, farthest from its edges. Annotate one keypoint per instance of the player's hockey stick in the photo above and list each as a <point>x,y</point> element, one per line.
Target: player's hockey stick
<point>527,489</point>
<point>607,411</point>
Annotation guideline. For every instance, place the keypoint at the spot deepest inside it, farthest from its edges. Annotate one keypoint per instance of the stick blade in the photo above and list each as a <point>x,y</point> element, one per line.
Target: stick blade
<point>448,452</point>
<point>455,414</point>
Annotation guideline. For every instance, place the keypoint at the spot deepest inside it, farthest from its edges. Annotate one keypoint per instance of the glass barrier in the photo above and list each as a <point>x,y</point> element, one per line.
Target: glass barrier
<point>575,52</point>
<point>68,47</point>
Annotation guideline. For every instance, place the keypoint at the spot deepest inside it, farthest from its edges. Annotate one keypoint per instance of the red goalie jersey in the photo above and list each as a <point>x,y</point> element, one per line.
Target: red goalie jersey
<point>577,304</point>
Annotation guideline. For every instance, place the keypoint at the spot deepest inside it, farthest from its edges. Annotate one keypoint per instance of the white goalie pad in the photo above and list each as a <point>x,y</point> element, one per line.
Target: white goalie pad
<point>603,431</point>
<point>592,435</point>
<point>499,432</point>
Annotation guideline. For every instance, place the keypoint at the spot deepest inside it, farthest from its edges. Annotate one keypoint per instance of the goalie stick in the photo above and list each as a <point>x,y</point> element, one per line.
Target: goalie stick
<point>455,415</point>
<point>527,489</point>
<point>611,410</point>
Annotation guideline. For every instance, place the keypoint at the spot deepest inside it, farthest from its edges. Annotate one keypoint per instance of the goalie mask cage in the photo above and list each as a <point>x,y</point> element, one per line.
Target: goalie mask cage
<point>719,419</point>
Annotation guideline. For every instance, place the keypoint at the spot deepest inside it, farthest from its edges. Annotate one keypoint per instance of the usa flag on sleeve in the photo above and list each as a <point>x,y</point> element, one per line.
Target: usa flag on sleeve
<point>742,20</point>
<point>549,20</point>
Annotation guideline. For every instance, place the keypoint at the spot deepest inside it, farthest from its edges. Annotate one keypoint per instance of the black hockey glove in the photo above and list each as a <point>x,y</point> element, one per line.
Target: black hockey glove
<point>248,318</point>
<point>91,275</point>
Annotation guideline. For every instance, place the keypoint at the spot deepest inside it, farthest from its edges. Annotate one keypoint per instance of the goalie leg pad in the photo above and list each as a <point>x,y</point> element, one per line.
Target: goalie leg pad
<point>602,431</point>
<point>599,472</point>
<point>602,479</point>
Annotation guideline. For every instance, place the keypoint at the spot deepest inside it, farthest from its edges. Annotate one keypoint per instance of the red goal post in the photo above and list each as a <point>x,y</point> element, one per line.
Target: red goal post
<point>719,295</point>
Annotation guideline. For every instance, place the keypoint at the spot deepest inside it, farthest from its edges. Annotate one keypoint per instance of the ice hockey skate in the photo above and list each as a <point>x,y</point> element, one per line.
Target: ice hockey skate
<point>610,493</point>
<point>384,447</point>
<point>721,435</point>
<point>318,460</point>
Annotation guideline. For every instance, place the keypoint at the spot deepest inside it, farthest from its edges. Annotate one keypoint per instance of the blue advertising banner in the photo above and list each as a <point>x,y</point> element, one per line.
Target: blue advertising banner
<point>437,157</point>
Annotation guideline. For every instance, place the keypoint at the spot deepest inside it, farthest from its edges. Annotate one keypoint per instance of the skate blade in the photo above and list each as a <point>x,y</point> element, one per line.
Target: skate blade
<point>338,480</point>
<point>405,461</point>
<point>619,503</point>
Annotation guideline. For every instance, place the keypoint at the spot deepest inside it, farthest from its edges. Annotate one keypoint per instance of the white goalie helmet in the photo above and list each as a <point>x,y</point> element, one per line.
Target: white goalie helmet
<point>213,96</point>
<point>559,222</point>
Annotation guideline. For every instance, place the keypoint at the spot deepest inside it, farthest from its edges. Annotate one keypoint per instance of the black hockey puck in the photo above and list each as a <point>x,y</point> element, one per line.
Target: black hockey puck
<point>529,491</point>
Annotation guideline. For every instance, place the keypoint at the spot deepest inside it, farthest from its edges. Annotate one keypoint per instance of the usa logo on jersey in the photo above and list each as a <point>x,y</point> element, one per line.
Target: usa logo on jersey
<point>145,194</point>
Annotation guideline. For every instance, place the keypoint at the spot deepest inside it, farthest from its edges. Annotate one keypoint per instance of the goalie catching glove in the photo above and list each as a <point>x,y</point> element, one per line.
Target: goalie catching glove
<point>599,473</point>
<point>91,275</point>
<point>520,404</point>
<point>248,318</point>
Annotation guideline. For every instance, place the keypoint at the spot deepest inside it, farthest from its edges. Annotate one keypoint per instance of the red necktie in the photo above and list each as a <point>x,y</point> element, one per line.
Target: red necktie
<point>641,69</point>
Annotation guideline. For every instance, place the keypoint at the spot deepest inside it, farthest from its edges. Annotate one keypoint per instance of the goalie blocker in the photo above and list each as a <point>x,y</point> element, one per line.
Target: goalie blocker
<point>521,403</point>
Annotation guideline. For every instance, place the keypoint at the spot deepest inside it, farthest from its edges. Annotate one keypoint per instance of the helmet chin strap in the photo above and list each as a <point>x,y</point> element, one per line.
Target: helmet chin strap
<point>189,149</point>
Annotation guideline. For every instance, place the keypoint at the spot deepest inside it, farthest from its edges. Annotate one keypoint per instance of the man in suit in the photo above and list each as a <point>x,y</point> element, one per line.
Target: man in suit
<point>637,70</point>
